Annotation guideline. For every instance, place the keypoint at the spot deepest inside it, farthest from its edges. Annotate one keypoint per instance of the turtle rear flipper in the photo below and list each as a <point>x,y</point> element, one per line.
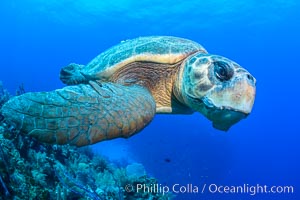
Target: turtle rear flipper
<point>71,74</point>
<point>83,114</point>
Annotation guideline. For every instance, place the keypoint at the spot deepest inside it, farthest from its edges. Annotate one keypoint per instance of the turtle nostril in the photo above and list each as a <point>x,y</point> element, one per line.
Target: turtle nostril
<point>250,78</point>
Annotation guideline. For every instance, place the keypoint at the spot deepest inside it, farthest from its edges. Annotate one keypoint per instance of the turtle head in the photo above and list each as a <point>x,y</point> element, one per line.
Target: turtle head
<point>217,87</point>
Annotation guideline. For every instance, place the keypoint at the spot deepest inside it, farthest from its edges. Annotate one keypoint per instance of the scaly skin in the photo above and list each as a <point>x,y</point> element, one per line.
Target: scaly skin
<point>83,114</point>
<point>138,77</point>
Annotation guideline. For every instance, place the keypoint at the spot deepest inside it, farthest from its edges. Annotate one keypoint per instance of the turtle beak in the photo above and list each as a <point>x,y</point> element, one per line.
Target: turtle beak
<point>233,103</point>
<point>224,119</point>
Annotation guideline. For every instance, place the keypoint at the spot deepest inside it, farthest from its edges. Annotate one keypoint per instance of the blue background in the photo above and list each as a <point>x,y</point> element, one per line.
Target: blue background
<point>38,37</point>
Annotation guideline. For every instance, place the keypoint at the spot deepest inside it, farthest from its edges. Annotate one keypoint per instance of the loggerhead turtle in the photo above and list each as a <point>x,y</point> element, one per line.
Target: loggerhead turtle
<point>118,93</point>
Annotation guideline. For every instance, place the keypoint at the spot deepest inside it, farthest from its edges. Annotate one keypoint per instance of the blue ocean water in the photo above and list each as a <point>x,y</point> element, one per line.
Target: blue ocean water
<point>38,37</point>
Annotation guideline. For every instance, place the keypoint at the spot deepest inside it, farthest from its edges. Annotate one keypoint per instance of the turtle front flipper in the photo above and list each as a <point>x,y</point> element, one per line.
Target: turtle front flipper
<point>83,114</point>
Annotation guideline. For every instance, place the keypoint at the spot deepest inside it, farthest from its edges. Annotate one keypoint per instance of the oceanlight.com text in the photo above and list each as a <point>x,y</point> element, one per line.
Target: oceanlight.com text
<point>248,189</point>
<point>210,188</point>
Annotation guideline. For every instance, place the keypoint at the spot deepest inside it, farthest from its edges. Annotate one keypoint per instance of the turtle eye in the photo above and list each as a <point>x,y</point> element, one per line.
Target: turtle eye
<point>223,71</point>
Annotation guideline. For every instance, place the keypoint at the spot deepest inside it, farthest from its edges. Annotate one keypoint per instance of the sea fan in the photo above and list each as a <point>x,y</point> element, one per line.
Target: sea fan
<point>74,185</point>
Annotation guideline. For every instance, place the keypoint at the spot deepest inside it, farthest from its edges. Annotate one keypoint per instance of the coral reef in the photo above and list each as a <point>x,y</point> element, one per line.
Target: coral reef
<point>4,95</point>
<point>32,170</point>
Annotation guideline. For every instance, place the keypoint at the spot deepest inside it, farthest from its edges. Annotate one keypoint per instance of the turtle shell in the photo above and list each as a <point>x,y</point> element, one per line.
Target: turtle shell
<point>156,49</point>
